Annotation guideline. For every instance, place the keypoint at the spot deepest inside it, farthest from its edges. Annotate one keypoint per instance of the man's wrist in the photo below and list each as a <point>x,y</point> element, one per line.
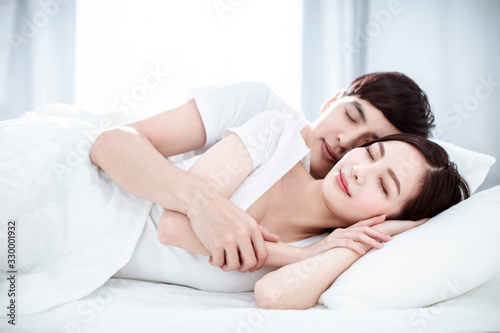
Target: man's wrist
<point>195,196</point>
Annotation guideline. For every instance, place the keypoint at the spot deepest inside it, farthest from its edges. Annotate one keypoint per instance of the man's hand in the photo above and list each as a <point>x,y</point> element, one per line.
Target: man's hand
<point>233,238</point>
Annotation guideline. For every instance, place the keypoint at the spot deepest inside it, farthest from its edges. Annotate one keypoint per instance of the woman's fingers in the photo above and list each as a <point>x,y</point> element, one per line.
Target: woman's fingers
<point>352,245</point>
<point>376,234</point>
<point>369,222</point>
<point>355,232</point>
<point>366,235</point>
<point>369,241</point>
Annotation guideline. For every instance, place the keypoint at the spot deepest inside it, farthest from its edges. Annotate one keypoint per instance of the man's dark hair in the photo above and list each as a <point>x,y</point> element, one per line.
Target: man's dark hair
<point>399,98</point>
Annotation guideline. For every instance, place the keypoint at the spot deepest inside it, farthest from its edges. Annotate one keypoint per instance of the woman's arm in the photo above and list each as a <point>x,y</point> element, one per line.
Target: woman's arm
<point>299,285</point>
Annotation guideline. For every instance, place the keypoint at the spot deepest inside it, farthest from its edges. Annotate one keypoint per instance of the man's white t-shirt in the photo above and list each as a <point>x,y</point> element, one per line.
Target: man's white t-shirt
<point>231,105</point>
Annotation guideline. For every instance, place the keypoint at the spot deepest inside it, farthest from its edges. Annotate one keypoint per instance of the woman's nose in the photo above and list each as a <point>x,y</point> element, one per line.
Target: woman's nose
<point>358,174</point>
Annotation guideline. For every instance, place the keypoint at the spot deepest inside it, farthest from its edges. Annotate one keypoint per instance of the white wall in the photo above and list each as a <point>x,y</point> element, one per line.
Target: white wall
<point>450,48</point>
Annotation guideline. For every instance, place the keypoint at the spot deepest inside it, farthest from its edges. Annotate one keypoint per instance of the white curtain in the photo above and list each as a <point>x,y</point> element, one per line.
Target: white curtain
<point>36,54</point>
<point>450,48</point>
<point>329,60</point>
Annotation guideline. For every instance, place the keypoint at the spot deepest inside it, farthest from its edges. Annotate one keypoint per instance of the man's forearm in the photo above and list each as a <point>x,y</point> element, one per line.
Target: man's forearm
<point>132,162</point>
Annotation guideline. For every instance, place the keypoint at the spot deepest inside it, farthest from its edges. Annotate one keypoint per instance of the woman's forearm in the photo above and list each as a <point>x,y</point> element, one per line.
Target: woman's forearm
<point>299,285</point>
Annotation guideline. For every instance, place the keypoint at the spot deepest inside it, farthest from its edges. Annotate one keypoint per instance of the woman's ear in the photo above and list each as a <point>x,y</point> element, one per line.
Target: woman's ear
<point>329,101</point>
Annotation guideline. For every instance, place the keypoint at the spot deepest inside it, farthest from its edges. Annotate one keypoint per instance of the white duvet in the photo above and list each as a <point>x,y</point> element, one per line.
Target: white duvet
<point>73,227</point>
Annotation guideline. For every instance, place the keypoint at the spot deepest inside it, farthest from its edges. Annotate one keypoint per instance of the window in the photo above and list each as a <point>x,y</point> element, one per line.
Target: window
<point>143,55</point>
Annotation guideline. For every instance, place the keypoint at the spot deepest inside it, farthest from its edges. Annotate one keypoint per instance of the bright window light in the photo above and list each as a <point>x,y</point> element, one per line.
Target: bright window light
<point>143,55</point>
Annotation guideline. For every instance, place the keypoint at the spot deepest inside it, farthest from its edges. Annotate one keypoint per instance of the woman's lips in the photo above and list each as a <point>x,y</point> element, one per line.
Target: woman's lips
<point>342,182</point>
<point>327,153</point>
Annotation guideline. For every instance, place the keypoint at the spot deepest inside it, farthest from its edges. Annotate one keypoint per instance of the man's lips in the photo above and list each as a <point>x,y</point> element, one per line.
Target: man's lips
<point>342,182</point>
<point>328,153</point>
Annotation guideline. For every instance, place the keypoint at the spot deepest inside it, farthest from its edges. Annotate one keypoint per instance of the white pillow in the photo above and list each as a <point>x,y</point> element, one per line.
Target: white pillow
<point>449,255</point>
<point>473,166</point>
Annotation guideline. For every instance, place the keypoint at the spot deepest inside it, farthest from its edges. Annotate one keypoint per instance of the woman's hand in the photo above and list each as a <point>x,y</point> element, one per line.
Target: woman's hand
<point>395,227</point>
<point>362,232</point>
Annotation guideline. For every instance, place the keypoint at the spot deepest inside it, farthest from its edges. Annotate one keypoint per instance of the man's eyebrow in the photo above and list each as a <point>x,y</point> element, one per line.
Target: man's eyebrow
<point>360,109</point>
<point>395,178</point>
<point>382,148</point>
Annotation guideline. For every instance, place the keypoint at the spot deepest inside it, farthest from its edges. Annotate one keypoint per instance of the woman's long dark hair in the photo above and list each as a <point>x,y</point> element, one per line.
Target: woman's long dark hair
<point>442,186</point>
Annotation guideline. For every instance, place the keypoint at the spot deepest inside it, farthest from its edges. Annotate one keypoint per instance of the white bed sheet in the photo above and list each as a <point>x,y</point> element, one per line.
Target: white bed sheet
<point>123,305</point>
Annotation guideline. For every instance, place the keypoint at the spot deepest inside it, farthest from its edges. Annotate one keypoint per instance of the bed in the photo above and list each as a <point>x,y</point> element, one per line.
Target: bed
<point>66,286</point>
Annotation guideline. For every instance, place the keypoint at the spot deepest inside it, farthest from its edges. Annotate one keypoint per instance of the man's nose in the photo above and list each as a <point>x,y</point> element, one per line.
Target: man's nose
<point>347,141</point>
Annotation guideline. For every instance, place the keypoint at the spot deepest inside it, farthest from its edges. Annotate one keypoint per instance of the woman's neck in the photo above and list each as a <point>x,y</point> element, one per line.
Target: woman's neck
<point>297,209</point>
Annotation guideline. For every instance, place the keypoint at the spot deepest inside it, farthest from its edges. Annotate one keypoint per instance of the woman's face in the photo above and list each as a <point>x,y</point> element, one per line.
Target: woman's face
<point>374,180</point>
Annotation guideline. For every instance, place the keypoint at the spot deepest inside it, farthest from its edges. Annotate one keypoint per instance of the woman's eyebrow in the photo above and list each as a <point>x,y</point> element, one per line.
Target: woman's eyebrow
<point>395,178</point>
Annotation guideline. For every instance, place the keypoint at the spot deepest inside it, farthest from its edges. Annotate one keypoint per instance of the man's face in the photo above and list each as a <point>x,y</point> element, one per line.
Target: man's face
<point>345,123</point>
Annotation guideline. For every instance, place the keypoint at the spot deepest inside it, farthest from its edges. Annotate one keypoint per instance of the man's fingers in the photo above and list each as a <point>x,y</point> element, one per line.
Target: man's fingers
<point>217,257</point>
<point>260,250</point>
<point>267,235</point>
<point>232,258</point>
<point>247,255</point>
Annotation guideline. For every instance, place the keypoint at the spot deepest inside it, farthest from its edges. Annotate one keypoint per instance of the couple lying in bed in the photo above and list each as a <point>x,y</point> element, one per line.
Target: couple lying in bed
<point>290,179</point>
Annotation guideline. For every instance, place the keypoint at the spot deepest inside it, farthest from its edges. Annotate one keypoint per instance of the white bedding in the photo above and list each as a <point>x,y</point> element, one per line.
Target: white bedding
<point>123,305</point>
<point>83,299</point>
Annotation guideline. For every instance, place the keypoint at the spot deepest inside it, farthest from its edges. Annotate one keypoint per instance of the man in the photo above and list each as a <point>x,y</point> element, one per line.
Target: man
<point>373,105</point>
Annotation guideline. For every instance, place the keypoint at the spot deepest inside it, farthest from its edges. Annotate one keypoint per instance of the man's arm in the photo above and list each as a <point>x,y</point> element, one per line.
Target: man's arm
<point>133,156</point>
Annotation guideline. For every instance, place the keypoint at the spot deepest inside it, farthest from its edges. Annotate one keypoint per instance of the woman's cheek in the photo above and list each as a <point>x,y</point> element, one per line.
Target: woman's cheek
<point>372,206</point>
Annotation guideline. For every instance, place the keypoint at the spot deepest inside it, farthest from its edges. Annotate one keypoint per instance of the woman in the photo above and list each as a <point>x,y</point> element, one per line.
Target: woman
<point>401,177</point>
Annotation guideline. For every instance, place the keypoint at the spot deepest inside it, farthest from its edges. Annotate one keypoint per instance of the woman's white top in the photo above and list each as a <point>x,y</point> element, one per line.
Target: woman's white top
<point>275,145</point>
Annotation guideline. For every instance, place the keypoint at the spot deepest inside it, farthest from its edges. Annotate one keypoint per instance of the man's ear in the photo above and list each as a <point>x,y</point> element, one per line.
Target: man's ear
<point>329,101</point>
